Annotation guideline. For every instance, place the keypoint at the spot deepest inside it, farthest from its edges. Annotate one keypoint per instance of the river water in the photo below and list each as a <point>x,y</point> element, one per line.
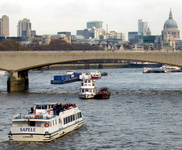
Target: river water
<point>144,111</point>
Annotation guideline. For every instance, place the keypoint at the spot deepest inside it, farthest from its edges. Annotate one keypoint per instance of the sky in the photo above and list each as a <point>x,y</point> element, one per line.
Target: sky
<point>52,16</point>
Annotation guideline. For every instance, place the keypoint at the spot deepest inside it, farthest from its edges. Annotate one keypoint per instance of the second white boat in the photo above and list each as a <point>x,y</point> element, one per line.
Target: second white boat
<point>88,89</point>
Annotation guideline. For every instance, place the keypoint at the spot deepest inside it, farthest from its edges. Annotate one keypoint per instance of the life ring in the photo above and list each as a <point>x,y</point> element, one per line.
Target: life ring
<point>46,124</point>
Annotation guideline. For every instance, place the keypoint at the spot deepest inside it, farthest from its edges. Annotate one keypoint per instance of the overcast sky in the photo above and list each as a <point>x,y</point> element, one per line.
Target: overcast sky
<point>52,16</point>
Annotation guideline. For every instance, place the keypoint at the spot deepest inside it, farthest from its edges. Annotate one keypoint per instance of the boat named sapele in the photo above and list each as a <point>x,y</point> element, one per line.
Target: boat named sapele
<point>46,122</point>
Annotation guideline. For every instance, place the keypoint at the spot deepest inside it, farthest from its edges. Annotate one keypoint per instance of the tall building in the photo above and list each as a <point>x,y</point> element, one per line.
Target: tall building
<point>143,28</point>
<point>96,24</point>
<point>170,29</point>
<point>4,26</point>
<point>132,37</point>
<point>24,29</point>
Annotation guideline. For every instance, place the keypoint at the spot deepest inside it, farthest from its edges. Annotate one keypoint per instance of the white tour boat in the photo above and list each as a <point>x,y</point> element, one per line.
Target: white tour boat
<point>88,89</point>
<point>85,75</point>
<point>95,75</point>
<point>168,68</point>
<point>45,122</point>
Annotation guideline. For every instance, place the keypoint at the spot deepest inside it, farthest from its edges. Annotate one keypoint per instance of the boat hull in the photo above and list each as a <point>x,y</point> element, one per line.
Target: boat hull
<point>44,137</point>
<point>87,96</point>
<point>102,96</point>
<point>95,77</point>
<point>154,71</point>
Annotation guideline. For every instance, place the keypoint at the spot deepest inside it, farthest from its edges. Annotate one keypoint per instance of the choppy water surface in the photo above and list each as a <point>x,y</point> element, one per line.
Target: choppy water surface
<point>143,113</point>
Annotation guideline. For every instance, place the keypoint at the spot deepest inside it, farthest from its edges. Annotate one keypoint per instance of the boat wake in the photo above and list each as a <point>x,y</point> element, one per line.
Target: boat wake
<point>147,92</point>
<point>122,92</point>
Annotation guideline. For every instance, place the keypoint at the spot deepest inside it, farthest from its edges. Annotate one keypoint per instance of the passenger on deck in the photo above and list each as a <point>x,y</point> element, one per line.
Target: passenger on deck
<point>32,110</point>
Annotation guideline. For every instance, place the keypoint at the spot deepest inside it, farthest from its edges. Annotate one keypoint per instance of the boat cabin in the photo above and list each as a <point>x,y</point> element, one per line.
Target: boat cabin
<point>88,82</point>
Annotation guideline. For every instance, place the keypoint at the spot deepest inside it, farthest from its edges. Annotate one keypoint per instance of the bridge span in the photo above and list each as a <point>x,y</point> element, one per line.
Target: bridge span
<point>17,63</point>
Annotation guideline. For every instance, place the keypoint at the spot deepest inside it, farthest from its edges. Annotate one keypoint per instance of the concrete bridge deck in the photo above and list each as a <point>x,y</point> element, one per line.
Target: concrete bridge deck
<point>26,60</point>
<point>19,62</point>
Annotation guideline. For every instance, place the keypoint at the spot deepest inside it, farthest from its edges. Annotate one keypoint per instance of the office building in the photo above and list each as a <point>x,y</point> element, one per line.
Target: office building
<point>65,33</point>
<point>96,24</point>
<point>132,37</point>
<point>143,28</point>
<point>4,26</point>
<point>24,29</point>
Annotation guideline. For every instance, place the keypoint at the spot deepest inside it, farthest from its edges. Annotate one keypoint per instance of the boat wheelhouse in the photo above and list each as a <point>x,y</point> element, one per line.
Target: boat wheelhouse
<point>45,122</point>
<point>103,93</point>
<point>88,89</point>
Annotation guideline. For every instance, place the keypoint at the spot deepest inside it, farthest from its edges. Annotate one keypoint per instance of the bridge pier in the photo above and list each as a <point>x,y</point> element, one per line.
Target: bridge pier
<point>17,81</point>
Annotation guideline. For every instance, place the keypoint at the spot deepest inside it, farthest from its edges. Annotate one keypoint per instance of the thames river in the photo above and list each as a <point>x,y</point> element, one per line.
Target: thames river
<point>144,111</point>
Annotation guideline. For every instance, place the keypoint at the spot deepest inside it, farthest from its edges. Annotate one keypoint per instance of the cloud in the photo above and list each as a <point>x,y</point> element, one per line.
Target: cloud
<point>10,8</point>
<point>50,16</point>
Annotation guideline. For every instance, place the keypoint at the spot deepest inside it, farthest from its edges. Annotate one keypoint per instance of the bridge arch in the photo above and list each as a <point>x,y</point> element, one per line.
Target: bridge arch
<point>18,63</point>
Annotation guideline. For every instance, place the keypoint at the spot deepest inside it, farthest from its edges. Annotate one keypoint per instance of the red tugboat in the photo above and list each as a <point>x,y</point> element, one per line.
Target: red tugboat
<point>104,93</point>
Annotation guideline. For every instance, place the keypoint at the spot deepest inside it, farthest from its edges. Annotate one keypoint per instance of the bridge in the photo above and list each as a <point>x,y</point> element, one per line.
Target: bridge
<point>17,63</point>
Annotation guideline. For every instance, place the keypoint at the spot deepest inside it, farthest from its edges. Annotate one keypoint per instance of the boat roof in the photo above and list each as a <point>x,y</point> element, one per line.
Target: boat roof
<point>46,103</point>
<point>87,87</point>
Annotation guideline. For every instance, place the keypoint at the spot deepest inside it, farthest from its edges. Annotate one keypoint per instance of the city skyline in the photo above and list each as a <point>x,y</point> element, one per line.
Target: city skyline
<point>50,17</point>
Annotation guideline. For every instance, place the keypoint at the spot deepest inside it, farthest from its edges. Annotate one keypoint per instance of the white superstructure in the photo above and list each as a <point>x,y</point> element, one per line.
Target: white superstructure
<point>95,75</point>
<point>168,68</point>
<point>85,75</point>
<point>88,89</point>
<point>45,122</point>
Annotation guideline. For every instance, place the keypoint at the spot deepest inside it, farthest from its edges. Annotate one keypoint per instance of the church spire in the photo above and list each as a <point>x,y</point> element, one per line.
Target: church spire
<point>170,14</point>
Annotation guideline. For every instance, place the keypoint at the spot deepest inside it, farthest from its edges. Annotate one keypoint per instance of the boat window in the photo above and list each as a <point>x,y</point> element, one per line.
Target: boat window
<point>59,120</point>
<point>44,106</point>
<point>73,117</point>
<point>80,114</point>
<point>69,119</point>
<point>19,124</point>
<point>56,122</point>
<point>38,124</point>
<point>53,123</point>
<point>38,107</point>
<point>77,116</point>
<point>31,123</point>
